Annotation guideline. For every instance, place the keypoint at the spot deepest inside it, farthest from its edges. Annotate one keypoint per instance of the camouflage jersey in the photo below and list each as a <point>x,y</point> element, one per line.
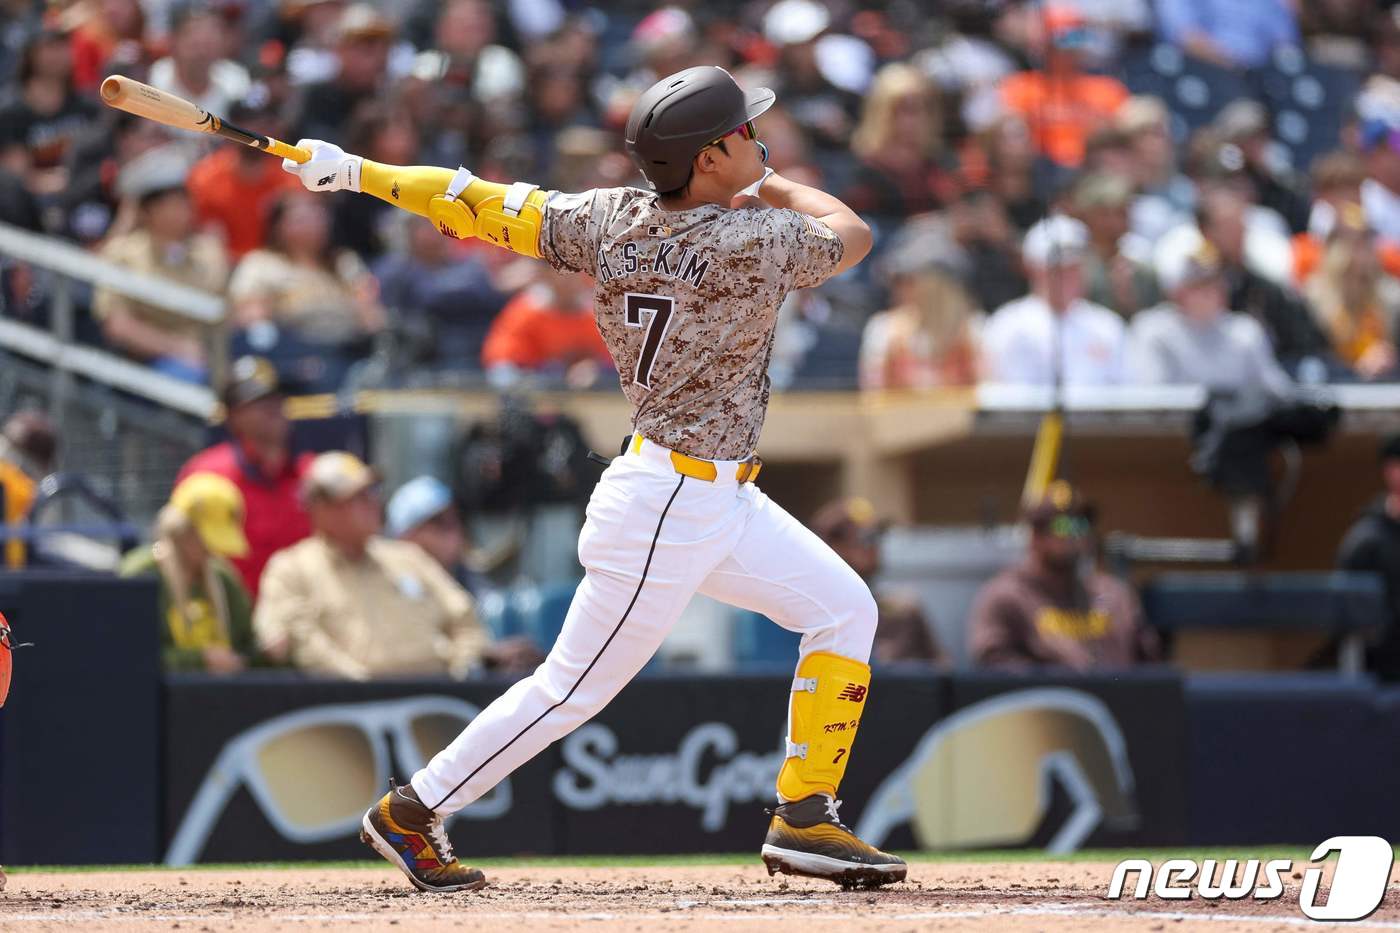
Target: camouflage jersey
<point>687,302</point>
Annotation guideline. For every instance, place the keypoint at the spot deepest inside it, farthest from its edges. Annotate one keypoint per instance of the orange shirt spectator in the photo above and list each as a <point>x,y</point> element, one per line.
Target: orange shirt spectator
<point>549,323</point>
<point>232,191</point>
<point>1062,110</point>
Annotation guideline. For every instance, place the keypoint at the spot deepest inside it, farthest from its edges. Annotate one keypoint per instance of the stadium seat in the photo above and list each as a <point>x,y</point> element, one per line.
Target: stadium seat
<point>1309,102</point>
<point>1194,91</point>
<point>550,604</point>
<point>758,640</point>
<point>1333,602</point>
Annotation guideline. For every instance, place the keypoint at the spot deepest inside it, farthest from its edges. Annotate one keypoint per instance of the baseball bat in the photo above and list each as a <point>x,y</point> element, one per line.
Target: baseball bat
<point>154,104</point>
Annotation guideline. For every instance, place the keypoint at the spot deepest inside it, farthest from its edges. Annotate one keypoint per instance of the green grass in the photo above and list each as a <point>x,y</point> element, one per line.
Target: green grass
<point>1296,853</point>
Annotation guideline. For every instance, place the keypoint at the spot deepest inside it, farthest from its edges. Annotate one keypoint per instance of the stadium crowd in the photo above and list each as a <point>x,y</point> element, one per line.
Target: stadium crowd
<point>1191,192</point>
<point>1224,179</point>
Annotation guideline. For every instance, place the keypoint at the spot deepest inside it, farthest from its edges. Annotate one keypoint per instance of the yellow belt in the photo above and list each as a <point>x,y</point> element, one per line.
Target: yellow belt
<point>746,472</point>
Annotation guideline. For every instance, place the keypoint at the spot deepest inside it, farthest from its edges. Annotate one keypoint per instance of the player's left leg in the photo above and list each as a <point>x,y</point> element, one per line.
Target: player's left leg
<point>783,570</point>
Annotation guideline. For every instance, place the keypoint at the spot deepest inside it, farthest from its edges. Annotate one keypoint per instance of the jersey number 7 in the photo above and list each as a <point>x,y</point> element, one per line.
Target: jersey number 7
<point>660,308</point>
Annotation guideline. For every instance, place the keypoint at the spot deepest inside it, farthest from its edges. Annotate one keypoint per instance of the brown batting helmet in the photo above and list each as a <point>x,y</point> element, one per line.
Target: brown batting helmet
<point>680,115</point>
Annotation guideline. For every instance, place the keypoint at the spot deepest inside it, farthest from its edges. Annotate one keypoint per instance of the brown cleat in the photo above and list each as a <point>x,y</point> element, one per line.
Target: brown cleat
<point>401,828</point>
<point>807,837</point>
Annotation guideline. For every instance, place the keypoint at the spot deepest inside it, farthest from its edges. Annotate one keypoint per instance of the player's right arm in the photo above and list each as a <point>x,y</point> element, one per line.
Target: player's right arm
<point>854,233</point>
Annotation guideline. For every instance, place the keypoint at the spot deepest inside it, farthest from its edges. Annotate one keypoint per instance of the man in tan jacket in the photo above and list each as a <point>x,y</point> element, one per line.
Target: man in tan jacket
<point>348,603</point>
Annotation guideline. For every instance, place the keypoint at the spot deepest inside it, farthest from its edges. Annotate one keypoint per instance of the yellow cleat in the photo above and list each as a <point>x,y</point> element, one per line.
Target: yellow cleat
<point>402,829</point>
<point>807,837</point>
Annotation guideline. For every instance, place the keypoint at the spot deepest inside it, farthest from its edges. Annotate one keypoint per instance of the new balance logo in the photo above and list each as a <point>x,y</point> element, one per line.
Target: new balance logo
<point>322,182</point>
<point>853,692</point>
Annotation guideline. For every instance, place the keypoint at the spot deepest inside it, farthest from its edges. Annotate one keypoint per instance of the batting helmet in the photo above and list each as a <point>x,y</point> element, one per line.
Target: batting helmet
<point>680,115</point>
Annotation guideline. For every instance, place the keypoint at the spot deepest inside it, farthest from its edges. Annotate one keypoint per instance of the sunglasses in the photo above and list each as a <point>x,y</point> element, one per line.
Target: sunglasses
<point>746,130</point>
<point>314,771</point>
<point>1068,526</point>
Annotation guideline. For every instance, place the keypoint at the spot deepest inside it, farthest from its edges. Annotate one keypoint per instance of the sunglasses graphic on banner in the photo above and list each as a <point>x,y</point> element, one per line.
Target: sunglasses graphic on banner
<point>314,772</point>
<point>982,777</point>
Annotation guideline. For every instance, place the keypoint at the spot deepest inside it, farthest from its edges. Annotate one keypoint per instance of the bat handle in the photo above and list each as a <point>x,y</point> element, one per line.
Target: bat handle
<point>287,151</point>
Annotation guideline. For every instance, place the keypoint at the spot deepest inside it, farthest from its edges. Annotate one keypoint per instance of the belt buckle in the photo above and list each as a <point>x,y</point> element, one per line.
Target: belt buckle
<point>748,470</point>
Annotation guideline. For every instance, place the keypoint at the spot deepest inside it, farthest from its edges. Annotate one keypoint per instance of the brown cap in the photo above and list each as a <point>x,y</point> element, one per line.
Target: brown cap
<point>337,476</point>
<point>250,378</point>
<point>845,515</point>
<point>1060,499</point>
<point>362,21</point>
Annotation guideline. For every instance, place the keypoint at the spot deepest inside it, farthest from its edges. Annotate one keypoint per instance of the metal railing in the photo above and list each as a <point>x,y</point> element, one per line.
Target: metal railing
<point>124,425</point>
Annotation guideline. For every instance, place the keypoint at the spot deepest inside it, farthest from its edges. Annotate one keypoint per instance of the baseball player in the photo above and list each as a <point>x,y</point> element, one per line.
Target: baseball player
<point>688,280</point>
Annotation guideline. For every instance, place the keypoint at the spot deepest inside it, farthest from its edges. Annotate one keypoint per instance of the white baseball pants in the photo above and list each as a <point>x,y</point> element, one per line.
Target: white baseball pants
<point>652,539</point>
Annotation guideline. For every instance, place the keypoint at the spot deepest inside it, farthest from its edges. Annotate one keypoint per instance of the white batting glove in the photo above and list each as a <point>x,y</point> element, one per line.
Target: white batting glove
<point>330,168</point>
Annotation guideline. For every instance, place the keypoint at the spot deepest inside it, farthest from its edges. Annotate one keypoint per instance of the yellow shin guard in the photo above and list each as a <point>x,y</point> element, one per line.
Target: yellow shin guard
<point>828,697</point>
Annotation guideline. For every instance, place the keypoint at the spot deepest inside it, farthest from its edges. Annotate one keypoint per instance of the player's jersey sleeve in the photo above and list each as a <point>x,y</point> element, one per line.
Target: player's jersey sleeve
<point>569,233</point>
<point>806,250</point>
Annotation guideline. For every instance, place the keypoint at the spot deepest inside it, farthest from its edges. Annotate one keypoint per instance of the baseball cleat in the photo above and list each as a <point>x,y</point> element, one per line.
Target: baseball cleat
<point>401,828</point>
<point>807,837</point>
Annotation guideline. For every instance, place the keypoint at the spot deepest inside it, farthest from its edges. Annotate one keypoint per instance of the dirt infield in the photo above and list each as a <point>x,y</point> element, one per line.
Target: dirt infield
<point>1044,896</point>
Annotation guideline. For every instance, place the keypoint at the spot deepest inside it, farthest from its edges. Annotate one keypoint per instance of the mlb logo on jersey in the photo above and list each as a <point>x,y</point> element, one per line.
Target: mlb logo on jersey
<point>658,230</point>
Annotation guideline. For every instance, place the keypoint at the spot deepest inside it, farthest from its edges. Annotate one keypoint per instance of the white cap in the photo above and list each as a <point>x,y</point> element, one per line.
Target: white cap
<point>792,22</point>
<point>1055,241</point>
<point>1184,256</point>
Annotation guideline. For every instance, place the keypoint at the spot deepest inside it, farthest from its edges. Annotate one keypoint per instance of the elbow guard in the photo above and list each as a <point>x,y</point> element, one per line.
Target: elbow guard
<point>508,216</point>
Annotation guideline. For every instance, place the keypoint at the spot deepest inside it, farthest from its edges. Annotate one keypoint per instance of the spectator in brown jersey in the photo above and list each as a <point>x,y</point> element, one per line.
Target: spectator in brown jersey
<point>1056,609</point>
<point>852,530</point>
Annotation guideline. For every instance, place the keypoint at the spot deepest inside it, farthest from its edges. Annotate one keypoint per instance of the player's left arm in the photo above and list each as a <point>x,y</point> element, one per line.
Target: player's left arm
<point>458,202</point>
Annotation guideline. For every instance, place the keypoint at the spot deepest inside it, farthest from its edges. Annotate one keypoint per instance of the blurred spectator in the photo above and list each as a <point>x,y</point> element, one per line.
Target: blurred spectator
<point>899,145</point>
<point>386,134</point>
<point>1003,162</point>
<point>850,528</point>
<point>1059,102</point>
<point>927,338</point>
<point>1355,300</point>
<point>299,281</point>
<point>196,68</point>
<point>422,512</point>
<point>1115,275</point>
<point>1380,192</point>
<point>547,327</point>
<point>1336,182</point>
<point>1057,609</point>
<point>109,38</point>
<point>441,294</point>
<point>162,244</point>
<point>17,206</point>
<point>981,228</point>
<point>28,444</point>
<point>1165,197</point>
<point>205,615</point>
<point>1245,124</point>
<point>234,186</point>
<point>1054,335</point>
<point>558,100</point>
<point>1217,166</point>
<point>258,459</point>
<point>41,114</point>
<point>362,38</point>
<point>1228,33</point>
<point>1338,32</point>
<point>1193,338</point>
<point>90,204</point>
<point>819,82</point>
<point>1223,215</point>
<point>349,603</point>
<point>1372,544</point>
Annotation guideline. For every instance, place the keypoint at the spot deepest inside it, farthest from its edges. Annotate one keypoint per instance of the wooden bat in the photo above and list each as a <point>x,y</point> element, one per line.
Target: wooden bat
<point>154,104</point>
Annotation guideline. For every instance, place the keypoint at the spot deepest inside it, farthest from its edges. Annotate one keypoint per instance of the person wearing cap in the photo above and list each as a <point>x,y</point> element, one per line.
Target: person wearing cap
<point>903,633</point>
<point>1059,102</point>
<point>363,37</point>
<point>1245,123</point>
<point>258,459</point>
<point>1056,608</point>
<point>204,611</point>
<point>1054,336</point>
<point>195,69</point>
<point>1165,196</point>
<point>28,444</point>
<point>164,243</point>
<point>233,187</point>
<point>349,603</point>
<point>1372,545</point>
<point>1380,192</point>
<point>1115,275</point>
<point>1193,338</point>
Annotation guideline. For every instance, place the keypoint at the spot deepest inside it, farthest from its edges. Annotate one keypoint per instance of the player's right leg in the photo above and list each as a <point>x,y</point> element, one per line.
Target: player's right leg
<point>783,570</point>
<point>651,536</point>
